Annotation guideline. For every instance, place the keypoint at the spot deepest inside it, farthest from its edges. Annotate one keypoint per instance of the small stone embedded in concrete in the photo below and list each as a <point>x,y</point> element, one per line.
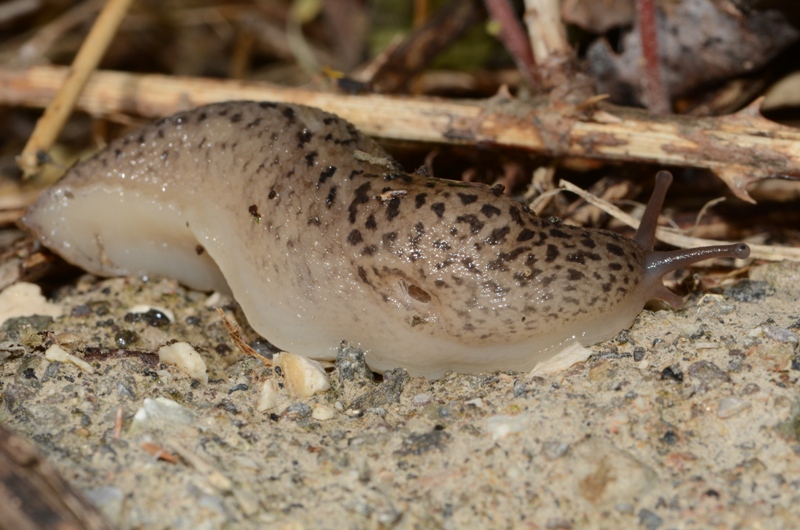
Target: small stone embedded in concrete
<point>706,375</point>
<point>731,406</point>
<point>304,377</point>
<point>269,396</point>
<point>160,413</point>
<point>502,425</point>
<point>572,354</point>
<point>185,358</point>
<point>57,353</point>
<point>24,299</point>
<point>153,315</point>
<point>421,399</point>
<point>322,413</point>
<point>386,393</point>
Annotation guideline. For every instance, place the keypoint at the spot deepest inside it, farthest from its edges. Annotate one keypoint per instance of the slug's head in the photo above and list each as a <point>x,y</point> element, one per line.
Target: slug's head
<point>656,263</point>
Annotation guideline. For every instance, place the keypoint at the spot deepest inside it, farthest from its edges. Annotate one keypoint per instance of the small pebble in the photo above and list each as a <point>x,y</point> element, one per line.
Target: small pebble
<point>422,399</point>
<point>322,413</point>
<point>57,353</point>
<point>269,396</point>
<point>161,413</point>
<point>731,406</point>
<point>304,377</point>
<point>500,426</point>
<point>154,316</point>
<point>185,358</point>
<point>297,411</point>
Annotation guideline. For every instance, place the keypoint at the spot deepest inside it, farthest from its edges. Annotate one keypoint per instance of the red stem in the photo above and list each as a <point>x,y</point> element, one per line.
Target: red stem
<point>656,96</point>
<point>514,38</point>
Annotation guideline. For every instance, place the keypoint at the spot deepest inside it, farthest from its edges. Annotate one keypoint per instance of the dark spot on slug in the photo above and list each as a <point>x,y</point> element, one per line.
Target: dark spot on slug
<point>475,224</point>
<point>552,253</point>
<point>236,118</point>
<point>574,275</point>
<point>253,209</point>
<point>490,211</point>
<point>615,267</point>
<point>331,198</point>
<point>438,208</point>
<point>288,113</point>
<point>199,250</point>
<point>467,198</point>
<point>393,209</point>
<point>303,137</point>
<point>525,235</point>
<point>555,232</point>
<point>311,157</point>
<point>354,237</point>
<point>371,224</point>
<point>615,249</point>
<point>202,117</point>
<point>362,274</point>
<point>516,216</point>
<point>389,238</point>
<point>326,174</point>
<point>361,197</point>
<point>419,294</point>
<point>419,200</point>
<point>498,234</point>
<point>272,194</point>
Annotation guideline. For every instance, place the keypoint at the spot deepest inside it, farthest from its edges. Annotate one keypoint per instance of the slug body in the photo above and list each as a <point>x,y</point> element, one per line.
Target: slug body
<point>321,238</point>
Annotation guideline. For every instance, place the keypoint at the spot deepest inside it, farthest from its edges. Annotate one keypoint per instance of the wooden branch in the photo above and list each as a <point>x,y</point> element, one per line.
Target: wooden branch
<point>740,148</point>
<point>34,495</point>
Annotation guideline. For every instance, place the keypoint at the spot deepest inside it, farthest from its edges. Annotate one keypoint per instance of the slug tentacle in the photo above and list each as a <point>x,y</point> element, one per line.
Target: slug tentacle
<point>658,263</point>
<point>320,238</point>
<point>646,234</point>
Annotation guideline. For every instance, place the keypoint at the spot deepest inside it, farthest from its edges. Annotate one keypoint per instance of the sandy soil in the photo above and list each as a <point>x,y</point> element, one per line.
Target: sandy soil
<point>691,419</point>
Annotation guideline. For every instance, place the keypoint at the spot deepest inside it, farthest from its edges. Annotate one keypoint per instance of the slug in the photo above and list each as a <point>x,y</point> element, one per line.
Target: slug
<point>321,237</point>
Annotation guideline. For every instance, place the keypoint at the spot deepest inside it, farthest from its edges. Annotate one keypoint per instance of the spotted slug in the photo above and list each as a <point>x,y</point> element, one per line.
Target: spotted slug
<point>321,237</point>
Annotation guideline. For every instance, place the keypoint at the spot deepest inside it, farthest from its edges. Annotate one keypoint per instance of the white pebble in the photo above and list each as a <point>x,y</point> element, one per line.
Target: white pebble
<point>269,396</point>
<point>571,354</point>
<point>475,402</point>
<point>420,400</point>
<point>500,426</point>
<point>731,406</point>
<point>24,299</point>
<point>160,413</point>
<point>185,358</point>
<point>57,353</point>
<point>322,413</point>
<point>304,377</point>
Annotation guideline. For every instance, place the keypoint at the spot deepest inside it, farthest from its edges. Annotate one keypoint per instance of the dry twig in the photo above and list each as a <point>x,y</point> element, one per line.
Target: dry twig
<point>60,108</point>
<point>238,341</point>
<point>741,148</point>
<point>677,239</point>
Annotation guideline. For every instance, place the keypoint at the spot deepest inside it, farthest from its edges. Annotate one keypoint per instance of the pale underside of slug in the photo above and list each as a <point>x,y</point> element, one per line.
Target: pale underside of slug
<point>320,238</point>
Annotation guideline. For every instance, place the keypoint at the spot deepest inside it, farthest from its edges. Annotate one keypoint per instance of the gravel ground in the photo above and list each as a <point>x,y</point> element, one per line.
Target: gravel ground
<point>691,419</point>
